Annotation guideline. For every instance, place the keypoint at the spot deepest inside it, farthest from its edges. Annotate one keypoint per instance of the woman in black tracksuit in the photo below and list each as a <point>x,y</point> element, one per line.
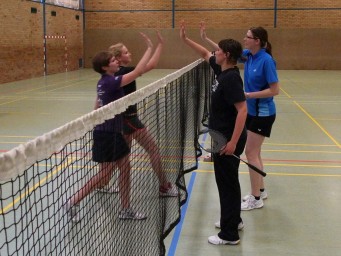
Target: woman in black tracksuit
<point>227,115</point>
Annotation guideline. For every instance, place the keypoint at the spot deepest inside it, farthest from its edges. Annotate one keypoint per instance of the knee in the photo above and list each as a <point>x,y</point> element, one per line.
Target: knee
<point>251,153</point>
<point>247,151</point>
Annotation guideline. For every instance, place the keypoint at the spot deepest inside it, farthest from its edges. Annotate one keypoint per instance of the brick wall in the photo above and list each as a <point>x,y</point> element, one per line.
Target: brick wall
<point>22,40</point>
<point>21,44</point>
<point>298,29</point>
<point>293,49</point>
<point>216,13</point>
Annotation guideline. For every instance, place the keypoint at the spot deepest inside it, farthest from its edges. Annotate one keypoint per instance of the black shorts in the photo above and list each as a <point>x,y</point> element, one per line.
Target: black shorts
<point>261,125</point>
<point>108,146</point>
<point>131,124</point>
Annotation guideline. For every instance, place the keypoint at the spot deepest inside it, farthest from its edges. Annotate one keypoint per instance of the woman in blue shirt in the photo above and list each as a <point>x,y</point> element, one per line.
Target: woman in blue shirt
<point>260,85</point>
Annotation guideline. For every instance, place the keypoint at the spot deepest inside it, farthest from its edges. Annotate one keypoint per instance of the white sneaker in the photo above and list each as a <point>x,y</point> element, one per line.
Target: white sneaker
<point>208,158</point>
<point>169,192</point>
<point>108,190</point>
<point>130,214</point>
<point>263,195</point>
<point>217,241</point>
<point>72,211</point>
<point>251,203</point>
<point>240,225</point>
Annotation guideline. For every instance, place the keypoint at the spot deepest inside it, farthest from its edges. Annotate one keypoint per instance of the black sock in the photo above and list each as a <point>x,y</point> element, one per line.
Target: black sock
<point>262,189</point>
<point>257,197</point>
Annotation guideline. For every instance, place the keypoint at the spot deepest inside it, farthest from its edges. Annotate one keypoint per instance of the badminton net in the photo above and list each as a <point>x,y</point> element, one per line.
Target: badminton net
<point>38,177</point>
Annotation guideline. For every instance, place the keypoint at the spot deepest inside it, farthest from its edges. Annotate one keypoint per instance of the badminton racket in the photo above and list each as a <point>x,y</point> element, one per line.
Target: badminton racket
<point>218,141</point>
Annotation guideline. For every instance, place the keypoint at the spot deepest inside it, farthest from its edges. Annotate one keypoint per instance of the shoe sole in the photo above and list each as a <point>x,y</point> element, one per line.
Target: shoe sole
<point>167,195</point>
<point>124,218</point>
<point>67,210</point>
<point>226,242</point>
<point>115,191</point>
<point>249,209</point>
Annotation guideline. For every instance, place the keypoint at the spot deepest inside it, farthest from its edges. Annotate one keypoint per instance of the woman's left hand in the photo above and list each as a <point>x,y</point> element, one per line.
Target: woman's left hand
<point>228,149</point>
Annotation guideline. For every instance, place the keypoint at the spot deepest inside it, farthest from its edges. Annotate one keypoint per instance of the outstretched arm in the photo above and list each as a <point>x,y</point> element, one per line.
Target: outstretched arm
<point>157,53</point>
<point>202,51</point>
<point>141,66</point>
<point>205,38</point>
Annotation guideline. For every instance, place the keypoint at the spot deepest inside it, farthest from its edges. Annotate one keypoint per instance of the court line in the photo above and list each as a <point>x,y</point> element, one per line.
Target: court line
<point>7,102</point>
<point>280,174</point>
<point>300,151</point>
<point>313,119</point>
<point>305,165</point>
<point>29,190</point>
<point>301,160</point>
<point>40,183</point>
<point>299,144</point>
<point>317,123</point>
<point>177,231</point>
<point>16,136</point>
<point>287,94</point>
<point>265,143</point>
<point>295,165</point>
<point>24,92</point>
<point>270,144</point>
<point>60,81</point>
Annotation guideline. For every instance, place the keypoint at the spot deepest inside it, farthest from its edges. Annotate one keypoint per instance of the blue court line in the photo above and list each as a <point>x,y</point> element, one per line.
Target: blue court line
<point>176,236</point>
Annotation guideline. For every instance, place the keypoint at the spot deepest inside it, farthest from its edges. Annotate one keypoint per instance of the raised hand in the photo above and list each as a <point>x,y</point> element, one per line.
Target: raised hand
<point>182,30</point>
<point>147,40</point>
<point>160,38</point>
<point>203,31</point>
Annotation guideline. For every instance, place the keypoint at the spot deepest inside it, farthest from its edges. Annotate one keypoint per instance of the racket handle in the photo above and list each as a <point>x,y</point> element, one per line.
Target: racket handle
<point>254,168</point>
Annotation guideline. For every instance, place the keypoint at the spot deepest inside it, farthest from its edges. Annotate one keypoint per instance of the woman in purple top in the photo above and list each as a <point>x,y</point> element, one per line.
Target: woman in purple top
<point>110,149</point>
<point>133,128</point>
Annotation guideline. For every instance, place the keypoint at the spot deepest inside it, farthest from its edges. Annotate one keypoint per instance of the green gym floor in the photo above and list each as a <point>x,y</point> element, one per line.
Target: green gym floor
<point>302,215</point>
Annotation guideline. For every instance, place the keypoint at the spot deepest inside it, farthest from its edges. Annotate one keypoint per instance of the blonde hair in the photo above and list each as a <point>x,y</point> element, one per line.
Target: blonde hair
<point>116,49</point>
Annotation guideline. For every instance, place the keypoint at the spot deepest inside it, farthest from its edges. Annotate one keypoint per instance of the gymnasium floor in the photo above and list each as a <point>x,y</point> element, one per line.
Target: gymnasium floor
<point>302,159</point>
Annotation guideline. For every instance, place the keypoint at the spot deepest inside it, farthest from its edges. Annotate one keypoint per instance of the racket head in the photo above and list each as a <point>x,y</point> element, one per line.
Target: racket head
<point>211,141</point>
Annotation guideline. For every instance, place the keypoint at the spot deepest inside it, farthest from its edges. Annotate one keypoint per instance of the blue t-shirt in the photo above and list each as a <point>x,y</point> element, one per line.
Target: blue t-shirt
<point>108,90</point>
<point>259,72</point>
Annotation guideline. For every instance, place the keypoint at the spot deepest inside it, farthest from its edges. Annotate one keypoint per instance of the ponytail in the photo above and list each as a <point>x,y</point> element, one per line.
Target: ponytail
<point>268,48</point>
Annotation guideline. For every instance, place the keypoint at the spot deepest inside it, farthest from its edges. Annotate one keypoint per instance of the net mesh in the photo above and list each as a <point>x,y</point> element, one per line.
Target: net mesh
<point>37,178</point>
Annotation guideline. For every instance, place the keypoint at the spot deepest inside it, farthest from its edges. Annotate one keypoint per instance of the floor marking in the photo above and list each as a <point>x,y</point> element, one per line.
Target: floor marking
<point>177,231</point>
<point>287,94</point>
<point>320,126</point>
<point>281,174</point>
<point>29,190</point>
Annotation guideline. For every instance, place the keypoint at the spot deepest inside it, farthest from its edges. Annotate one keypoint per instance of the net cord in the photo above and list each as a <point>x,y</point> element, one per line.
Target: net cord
<point>14,162</point>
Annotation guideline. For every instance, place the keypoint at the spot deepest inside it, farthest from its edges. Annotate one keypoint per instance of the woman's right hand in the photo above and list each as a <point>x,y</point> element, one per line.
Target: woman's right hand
<point>147,40</point>
<point>182,30</point>
<point>160,38</point>
<point>203,31</point>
